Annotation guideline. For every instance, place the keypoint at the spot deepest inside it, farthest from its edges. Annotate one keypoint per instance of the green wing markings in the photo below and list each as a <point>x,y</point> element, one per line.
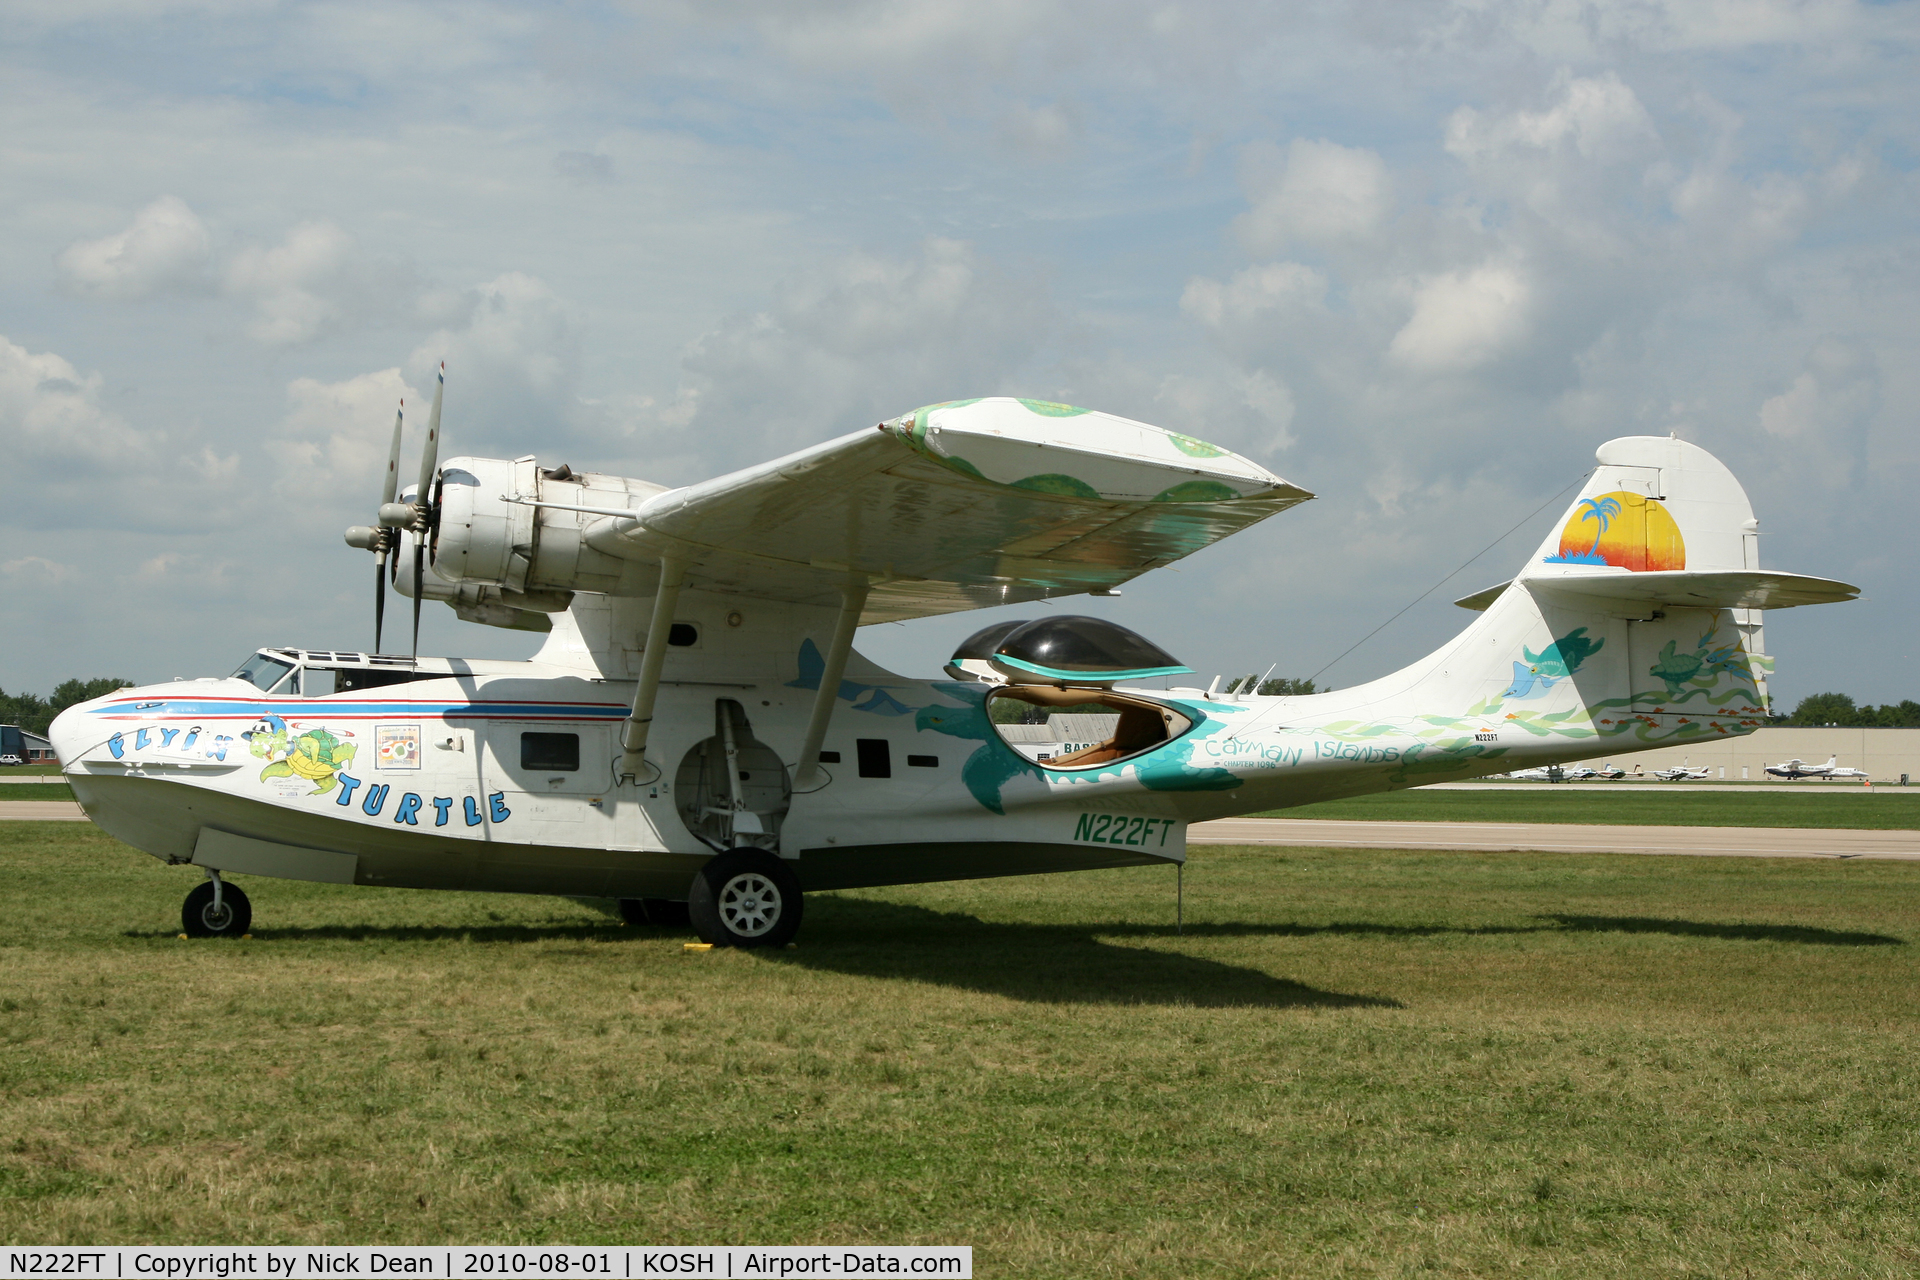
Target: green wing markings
<point>1195,448</point>
<point>1196,491</point>
<point>961,465</point>
<point>1049,409</point>
<point>1063,486</point>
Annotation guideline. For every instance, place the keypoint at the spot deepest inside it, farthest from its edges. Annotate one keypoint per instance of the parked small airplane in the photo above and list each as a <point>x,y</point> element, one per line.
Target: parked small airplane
<point>1798,768</point>
<point>1681,773</point>
<point>1546,773</point>
<point>697,737</point>
<point>1584,774</point>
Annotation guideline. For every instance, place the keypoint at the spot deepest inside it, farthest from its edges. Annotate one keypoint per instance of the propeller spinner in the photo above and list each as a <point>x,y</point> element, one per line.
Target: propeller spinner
<point>416,516</point>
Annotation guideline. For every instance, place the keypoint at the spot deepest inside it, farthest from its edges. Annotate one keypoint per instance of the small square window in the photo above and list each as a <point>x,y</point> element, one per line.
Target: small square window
<point>829,757</point>
<point>924,762</point>
<point>875,756</point>
<point>550,752</point>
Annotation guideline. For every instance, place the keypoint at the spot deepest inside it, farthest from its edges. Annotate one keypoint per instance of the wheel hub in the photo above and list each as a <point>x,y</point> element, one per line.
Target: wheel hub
<point>750,904</point>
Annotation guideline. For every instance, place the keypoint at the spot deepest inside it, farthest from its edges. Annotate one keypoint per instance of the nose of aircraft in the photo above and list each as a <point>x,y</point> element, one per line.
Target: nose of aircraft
<point>80,729</point>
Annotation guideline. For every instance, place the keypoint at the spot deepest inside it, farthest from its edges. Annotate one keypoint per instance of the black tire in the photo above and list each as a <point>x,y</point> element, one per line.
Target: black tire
<point>198,919</point>
<point>746,898</point>
<point>657,913</point>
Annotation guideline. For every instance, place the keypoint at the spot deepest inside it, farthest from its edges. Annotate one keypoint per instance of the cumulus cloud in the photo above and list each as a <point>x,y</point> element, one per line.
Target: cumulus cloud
<point>512,364</point>
<point>50,413</point>
<point>1273,290</point>
<point>331,446</point>
<point>165,247</point>
<point>1597,118</point>
<point>306,285</point>
<point>1318,193</point>
<point>859,339</point>
<point>1463,319</point>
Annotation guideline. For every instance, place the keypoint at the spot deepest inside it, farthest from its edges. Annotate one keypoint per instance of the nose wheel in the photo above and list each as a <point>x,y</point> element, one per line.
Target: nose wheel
<point>215,909</point>
<point>746,898</point>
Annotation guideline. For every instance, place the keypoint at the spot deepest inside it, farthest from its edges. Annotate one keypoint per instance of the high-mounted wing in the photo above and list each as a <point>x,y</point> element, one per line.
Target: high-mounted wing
<point>956,506</point>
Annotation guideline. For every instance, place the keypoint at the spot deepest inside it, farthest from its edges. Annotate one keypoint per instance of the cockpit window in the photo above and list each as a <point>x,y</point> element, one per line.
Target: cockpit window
<point>1080,728</point>
<point>262,672</point>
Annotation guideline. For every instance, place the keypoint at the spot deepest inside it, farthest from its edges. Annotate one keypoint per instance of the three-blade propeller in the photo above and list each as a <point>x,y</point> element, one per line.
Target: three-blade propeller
<point>416,516</point>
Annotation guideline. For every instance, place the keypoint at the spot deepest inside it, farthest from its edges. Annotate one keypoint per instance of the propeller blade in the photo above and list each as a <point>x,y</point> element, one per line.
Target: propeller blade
<point>392,484</point>
<point>419,569</point>
<point>379,598</point>
<point>430,454</point>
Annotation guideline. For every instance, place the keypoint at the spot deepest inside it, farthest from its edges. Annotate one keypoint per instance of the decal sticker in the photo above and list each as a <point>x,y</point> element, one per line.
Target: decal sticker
<point>396,746</point>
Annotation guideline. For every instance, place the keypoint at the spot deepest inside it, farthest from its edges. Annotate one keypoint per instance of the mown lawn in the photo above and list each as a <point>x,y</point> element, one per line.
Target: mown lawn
<point>1351,1063</point>
<point>34,791</point>
<point>1643,806</point>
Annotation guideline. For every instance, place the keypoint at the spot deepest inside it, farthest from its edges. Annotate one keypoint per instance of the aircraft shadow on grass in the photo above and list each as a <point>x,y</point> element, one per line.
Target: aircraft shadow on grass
<point>1067,963</point>
<point>1802,934</point>
<point>1043,963</point>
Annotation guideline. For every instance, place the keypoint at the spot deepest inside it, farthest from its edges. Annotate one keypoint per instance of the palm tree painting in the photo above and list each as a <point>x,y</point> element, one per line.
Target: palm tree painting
<point>1601,512</point>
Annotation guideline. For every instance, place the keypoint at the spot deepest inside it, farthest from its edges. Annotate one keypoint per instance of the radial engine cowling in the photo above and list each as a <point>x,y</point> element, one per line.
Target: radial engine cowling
<point>482,540</point>
<point>532,557</point>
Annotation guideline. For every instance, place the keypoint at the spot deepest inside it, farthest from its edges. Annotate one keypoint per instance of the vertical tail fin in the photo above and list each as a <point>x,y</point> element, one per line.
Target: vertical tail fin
<point>1635,624</point>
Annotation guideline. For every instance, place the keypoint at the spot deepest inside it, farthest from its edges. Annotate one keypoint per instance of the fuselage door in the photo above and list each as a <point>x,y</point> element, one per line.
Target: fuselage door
<point>550,774</point>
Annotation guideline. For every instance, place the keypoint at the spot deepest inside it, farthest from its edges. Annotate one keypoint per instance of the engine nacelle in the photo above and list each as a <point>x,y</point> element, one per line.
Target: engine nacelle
<point>531,557</point>
<point>482,540</point>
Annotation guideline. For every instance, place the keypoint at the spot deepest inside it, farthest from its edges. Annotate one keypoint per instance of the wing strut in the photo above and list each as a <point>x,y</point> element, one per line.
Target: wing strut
<point>633,737</point>
<point>853,599</point>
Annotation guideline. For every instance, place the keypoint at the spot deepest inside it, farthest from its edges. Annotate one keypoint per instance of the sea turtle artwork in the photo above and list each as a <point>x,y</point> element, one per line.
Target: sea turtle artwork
<point>314,754</point>
<point>1542,670</point>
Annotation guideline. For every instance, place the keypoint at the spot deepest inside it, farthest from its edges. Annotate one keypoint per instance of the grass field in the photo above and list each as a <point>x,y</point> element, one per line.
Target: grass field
<point>1350,1064</point>
<point>35,791</point>
<point>1885,809</point>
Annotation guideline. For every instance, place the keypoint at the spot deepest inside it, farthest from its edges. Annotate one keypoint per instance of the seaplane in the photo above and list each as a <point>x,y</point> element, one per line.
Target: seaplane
<point>697,739</point>
<point>1798,768</point>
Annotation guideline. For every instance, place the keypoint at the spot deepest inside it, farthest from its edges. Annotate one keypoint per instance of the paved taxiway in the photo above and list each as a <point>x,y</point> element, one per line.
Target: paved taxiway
<point>1556,837</point>
<point>40,811</point>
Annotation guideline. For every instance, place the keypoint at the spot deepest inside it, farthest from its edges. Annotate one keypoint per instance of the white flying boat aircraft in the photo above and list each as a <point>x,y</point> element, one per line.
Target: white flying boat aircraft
<point>697,735</point>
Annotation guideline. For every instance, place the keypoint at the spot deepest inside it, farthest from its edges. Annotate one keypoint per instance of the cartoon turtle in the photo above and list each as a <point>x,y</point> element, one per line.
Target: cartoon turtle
<point>315,755</point>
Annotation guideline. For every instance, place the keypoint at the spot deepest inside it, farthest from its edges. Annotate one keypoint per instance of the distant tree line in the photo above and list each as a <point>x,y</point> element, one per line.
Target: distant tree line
<point>34,713</point>
<point>1278,687</point>
<point>1838,709</point>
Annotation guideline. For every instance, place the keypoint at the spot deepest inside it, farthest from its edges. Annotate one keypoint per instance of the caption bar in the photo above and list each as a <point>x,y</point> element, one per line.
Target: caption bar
<point>575,1262</point>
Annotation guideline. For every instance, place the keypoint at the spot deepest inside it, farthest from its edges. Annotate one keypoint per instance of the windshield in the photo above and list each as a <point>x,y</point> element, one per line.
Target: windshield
<point>263,672</point>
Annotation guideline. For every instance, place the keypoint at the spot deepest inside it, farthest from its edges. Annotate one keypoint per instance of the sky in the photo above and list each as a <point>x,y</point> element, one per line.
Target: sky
<point>1420,259</point>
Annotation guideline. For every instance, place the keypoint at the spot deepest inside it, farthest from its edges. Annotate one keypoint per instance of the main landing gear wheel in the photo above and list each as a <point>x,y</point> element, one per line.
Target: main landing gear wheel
<point>202,918</point>
<point>746,898</point>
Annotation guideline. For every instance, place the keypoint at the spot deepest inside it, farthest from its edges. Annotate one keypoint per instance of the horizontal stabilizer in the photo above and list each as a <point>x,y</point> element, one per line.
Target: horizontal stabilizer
<point>1479,600</point>
<point>1684,589</point>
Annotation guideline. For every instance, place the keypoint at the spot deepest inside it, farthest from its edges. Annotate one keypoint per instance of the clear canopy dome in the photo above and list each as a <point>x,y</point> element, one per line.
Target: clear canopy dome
<point>1078,649</point>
